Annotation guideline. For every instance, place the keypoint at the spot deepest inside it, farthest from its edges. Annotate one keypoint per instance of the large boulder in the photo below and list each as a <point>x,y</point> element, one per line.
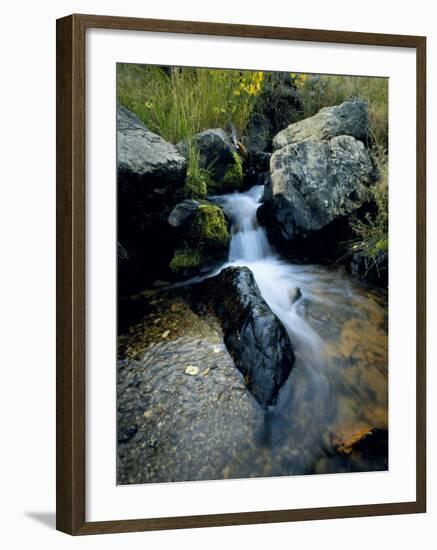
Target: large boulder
<point>254,336</point>
<point>219,157</point>
<point>144,157</point>
<point>150,180</point>
<point>350,118</point>
<point>314,183</point>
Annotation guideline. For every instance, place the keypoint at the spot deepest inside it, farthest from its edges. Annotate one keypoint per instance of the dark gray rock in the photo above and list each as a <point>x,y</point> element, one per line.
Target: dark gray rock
<point>217,154</point>
<point>372,270</point>
<point>150,180</point>
<point>182,212</point>
<point>351,118</point>
<point>314,183</point>
<point>253,334</point>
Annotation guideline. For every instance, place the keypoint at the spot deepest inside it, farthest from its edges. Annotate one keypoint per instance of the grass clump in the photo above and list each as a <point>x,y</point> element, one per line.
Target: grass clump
<point>179,102</point>
<point>372,232</point>
<point>198,179</point>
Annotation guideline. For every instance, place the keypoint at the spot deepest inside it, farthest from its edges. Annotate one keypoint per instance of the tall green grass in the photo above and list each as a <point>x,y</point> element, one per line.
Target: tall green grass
<point>177,103</point>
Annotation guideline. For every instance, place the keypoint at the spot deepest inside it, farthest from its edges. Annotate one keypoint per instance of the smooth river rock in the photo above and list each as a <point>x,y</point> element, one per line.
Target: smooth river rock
<point>254,336</point>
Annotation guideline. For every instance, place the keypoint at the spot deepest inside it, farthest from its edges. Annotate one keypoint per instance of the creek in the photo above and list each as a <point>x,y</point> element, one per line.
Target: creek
<point>338,386</point>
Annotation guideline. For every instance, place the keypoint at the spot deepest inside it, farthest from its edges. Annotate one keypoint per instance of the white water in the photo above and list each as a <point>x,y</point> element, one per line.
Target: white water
<point>277,280</point>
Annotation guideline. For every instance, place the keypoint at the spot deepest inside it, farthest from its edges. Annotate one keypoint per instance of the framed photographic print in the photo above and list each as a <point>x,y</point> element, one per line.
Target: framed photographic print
<point>240,274</point>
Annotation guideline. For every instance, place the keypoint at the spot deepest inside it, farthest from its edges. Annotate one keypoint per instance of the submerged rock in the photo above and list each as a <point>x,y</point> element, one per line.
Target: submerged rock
<point>351,118</point>
<point>253,334</point>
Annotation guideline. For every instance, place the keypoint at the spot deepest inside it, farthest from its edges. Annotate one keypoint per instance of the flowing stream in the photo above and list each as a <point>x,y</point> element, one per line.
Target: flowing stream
<point>338,385</point>
<point>206,426</point>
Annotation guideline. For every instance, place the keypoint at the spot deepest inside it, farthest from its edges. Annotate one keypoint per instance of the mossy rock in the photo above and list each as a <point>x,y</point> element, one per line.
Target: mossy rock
<point>232,179</point>
<point>210,226</point>
<point>185,260</point>
<point>213,162</point>
<point>204,240</point>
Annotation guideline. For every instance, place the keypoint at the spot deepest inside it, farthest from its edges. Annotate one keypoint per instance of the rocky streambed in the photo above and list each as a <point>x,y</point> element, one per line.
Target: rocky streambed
<point>185,411</point>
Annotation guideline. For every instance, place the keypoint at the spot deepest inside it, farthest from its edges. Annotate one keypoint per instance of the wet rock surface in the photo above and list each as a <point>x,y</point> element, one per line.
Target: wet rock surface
<point>183,410</point>
<point>253,334</point>
<point>185,413</point>
<point>182,212</point>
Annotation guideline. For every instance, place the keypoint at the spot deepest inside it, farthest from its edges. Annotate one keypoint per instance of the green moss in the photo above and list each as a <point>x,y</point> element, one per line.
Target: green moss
<point>185,259</point>
<point>211,228</point>
<point>233,178</point>
<point>204,240</point>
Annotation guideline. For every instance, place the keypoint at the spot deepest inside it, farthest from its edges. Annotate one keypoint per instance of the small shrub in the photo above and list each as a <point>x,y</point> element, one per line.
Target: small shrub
<point>198,179</point>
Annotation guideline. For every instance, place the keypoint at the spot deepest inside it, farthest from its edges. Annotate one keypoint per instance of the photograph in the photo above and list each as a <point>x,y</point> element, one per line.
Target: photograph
<point>252,274</point>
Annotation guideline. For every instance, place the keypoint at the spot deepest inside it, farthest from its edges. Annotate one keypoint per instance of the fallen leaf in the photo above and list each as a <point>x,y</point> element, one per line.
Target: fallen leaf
<point>192,370</point>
